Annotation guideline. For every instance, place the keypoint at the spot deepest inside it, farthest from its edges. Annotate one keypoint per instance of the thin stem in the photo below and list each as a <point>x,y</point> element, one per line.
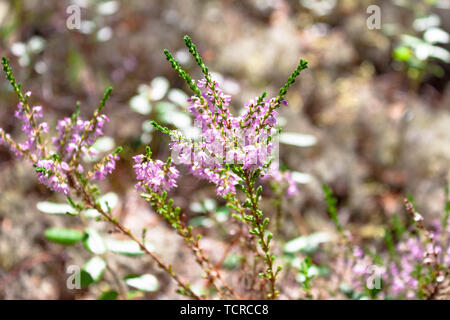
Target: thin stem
<point>173,217</point>
<point>263,241</point>
<point>91,204</point>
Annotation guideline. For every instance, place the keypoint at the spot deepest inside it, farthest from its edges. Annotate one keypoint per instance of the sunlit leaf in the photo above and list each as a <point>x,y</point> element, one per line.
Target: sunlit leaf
<point>178,96</point>
<point>140,104</point>
<point>158,88</point>
<point>55,208</point>
<point>92,271</point>
<point>300,177</point>
<point>94,242</point>
<point>146,282</point>
<point>307,243</point>
<point>297,139</point>
<point>126,247</point>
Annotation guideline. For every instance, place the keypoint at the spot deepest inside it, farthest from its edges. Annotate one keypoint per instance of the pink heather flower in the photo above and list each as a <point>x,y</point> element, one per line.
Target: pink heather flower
<point>154,175</point>
<point>54,176</point>
<point>447,257</point>
<point>243,140</point>
<point>105,167</point>
<point>284,178</point>
<point>74,139</point>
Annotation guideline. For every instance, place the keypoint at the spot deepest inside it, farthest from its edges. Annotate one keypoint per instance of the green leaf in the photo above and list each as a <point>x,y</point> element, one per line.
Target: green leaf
<point>140,104</point>
<point>146,282</point>
<point>94,242</point>
<point>197,207</point>
<point>201,221</point>
<point>402,53</point>
<point>307,243</point>
<point>63,236</point>
<point>158,88</point>
<point>55,208</point>
<point>297,139</point>
<point>125,247</point>
<point>104,144</point>
<point>92,271</point>
<point>178,96</point>
<point>108,295</point>
<point>232,261</point>
<point>301,177</point>
<point>209,204</point>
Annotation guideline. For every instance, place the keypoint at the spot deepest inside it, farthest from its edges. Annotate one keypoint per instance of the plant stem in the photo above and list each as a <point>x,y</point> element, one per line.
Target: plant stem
<point>264,242</point>
<point>91,204</point>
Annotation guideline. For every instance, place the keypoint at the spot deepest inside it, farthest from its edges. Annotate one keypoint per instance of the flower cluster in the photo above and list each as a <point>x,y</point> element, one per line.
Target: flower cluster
<point>32,129</point>
<point>414,253</point>
<point>284,179</point>
<point>246,141</point>
<point>105,167</point>
<point>154,175</point>
<point>402,273</point>
<point>52,174</point>
<point>74,140</point>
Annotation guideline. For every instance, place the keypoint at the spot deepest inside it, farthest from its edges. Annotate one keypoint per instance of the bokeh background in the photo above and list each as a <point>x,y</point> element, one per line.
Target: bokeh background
<point>372,113</point>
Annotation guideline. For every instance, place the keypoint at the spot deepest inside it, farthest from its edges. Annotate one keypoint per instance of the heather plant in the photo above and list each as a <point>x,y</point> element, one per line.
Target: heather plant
<point>238,156</point>
<point>233,154</point>
<point>416,266</point>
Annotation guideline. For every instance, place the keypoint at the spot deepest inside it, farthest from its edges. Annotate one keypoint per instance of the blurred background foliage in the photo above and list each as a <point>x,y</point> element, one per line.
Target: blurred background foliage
<point>371,114</point>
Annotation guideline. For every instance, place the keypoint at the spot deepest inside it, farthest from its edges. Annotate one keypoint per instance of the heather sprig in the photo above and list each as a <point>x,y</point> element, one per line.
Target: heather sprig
<point>234,151</point>
<point>28,116</point>
<point>166,209</point>
<point>63,170</point>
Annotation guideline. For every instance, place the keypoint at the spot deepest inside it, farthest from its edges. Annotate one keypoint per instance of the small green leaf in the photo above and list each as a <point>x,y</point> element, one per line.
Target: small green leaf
<point>55,208</point>
<point>108,295</point>
<point>146,282</point>
<point>104,144</point>
<point>301,177</point>
<point>140,104</point>
<point>402,53</point>
<point>232,261</point>
<point>307,243</point>
<point>93,241</point>
<point>125,247</point>
<point>297,139</point>
<point>158,88</point>
<point>63,236</point>
<point>92,271</point>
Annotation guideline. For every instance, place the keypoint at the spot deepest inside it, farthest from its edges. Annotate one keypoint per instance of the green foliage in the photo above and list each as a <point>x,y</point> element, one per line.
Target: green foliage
<point>109,295</point>
<point>104,99</point>
<point>303,64</point>
<point>183,74</point>
<point>145,282</point>
<point>92,271</point>
<point>10,77</point>
<point>63,236</point>
<point>306,274</point>
<point>446,209</point>
<point>332,206</point>
<point>94,242</point>
<point>193,50</point>
<point>124,247</point>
